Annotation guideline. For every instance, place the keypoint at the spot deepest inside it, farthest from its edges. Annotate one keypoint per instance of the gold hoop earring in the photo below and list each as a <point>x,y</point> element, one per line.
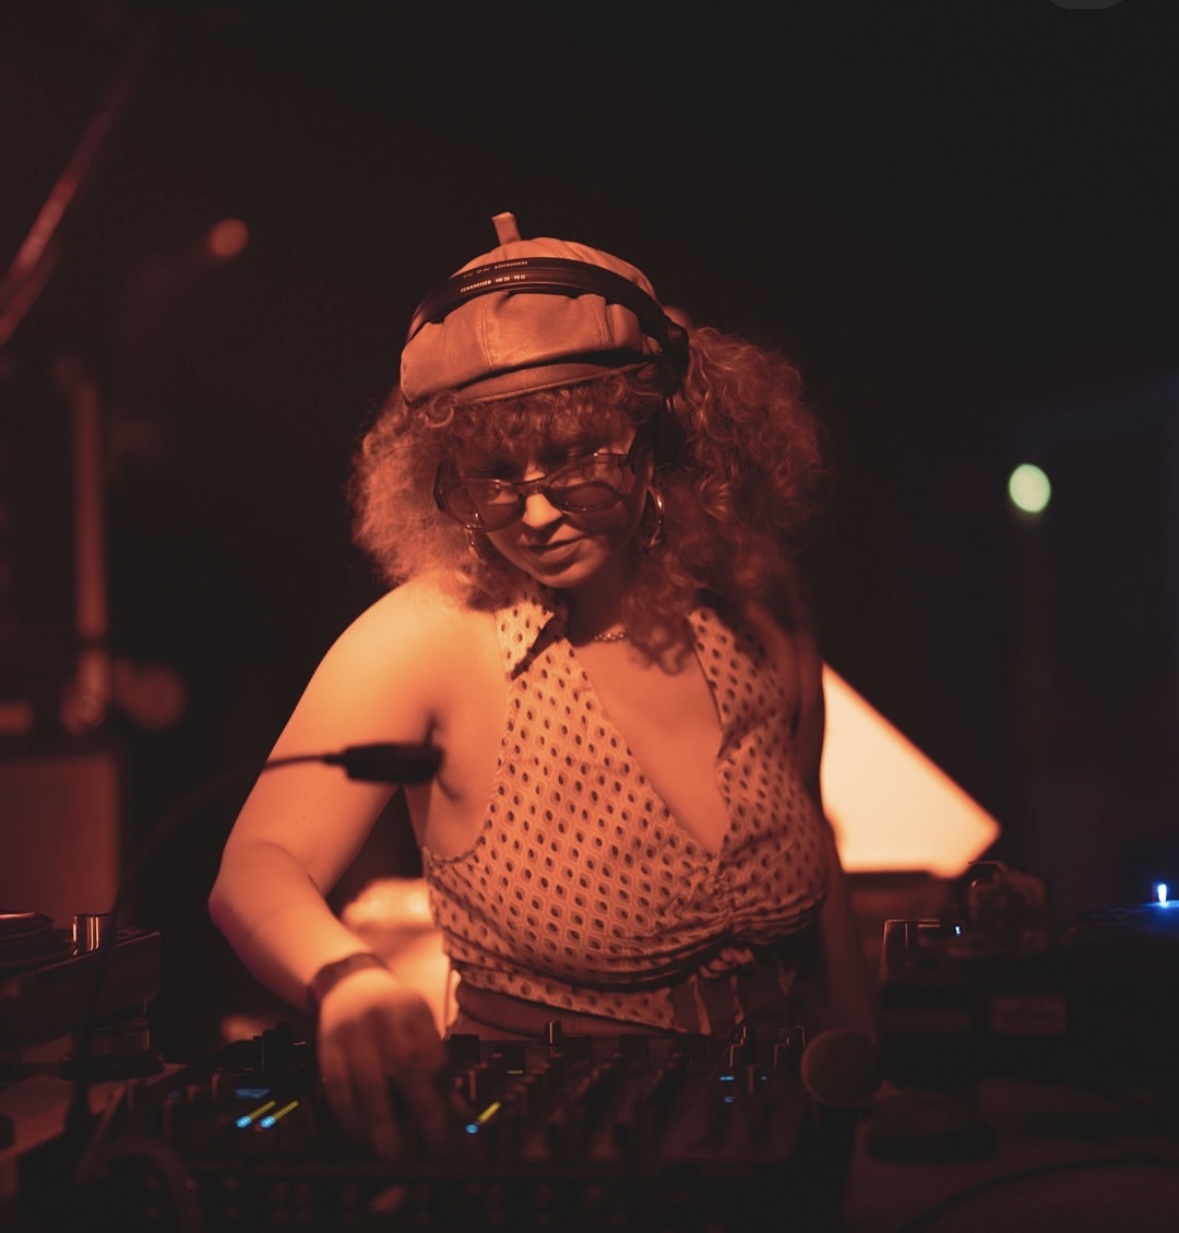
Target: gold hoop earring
<point>476,546</point>
<point>655,534</point>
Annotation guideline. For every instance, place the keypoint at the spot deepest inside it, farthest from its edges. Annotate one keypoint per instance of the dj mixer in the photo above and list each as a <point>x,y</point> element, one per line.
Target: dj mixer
<point>567,1133</point>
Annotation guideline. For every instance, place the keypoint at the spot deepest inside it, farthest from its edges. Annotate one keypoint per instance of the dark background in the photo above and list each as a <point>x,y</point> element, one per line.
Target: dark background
<point>959,219</point>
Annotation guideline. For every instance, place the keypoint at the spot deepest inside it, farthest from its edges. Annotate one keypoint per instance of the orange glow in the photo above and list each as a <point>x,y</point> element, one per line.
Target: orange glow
<point>890,806</point>
<point>227,239</point>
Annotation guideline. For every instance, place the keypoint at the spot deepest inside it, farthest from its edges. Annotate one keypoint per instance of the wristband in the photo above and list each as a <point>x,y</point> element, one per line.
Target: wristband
<point>330,975</point>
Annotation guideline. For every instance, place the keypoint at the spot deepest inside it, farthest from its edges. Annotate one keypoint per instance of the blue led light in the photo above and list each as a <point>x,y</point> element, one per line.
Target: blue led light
<point>248,1119</point>
<point>1161,891</point>
<point>726,1078</point>
<point>271,1118</point>
<point>472,1128</point>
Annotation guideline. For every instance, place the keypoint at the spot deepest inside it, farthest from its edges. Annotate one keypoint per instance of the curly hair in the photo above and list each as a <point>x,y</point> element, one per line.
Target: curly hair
<point>739,458</point>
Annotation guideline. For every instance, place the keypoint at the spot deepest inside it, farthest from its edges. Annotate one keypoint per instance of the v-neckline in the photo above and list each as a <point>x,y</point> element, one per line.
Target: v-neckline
<point>698,620</point>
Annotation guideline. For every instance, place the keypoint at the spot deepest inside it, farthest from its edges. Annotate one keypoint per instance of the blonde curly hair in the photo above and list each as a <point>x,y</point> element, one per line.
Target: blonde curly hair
<point>739,458</point>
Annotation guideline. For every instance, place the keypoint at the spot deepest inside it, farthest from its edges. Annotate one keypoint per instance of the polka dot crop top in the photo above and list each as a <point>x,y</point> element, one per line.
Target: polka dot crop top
<point>582,892</point>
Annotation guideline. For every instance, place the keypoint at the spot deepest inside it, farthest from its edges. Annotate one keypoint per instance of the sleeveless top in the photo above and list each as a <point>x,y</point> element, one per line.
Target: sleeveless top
<point>584,894</point>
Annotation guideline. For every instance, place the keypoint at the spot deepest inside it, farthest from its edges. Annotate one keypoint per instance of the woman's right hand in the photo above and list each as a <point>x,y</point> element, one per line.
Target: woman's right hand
<point>374,1032</point>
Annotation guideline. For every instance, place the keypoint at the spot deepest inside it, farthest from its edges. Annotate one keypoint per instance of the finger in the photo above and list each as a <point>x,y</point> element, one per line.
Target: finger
<point>415,1058</point>
<point>411,1044</point>
<point>424,1105</point>
<point>370,1097</point>
<point>354,1084</point>
<point>416,1041</point>
<point>337,1088</point>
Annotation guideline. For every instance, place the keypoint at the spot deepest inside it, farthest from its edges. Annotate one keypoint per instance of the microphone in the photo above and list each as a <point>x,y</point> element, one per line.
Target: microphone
<point>382,762</point>
<point>840,1074</point>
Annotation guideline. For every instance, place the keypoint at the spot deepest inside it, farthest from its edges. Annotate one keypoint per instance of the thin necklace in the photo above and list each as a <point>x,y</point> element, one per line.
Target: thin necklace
<point>616,635</point>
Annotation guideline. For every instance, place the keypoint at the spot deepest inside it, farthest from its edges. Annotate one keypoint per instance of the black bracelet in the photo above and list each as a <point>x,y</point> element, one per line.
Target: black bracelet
<point>330,975</point>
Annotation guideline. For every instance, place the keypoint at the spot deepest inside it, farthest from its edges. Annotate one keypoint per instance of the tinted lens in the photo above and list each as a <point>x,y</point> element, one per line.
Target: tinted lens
<point>496,501</point>
<point>486,504</point>
<point>587,483</point>
<point>491,504</point>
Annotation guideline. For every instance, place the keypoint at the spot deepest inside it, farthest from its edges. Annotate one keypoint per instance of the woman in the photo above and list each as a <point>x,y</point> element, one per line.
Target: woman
<point>586,512</point>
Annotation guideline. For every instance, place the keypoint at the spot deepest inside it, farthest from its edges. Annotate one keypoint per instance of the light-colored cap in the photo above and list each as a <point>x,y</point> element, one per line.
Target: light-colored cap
<point>530,315</point>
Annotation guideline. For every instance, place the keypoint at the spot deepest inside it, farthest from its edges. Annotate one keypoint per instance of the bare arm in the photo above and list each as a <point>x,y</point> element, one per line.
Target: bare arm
<point>302,825</point>
<point>298,831</point>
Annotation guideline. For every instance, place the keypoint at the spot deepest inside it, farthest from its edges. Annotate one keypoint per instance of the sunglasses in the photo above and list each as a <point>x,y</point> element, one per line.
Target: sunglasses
<point>483,503</point>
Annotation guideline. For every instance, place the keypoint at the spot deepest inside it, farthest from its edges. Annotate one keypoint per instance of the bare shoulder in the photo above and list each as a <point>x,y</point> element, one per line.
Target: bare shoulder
<point>395,670</point>
<point>420,618</point>
<point>422,602</point>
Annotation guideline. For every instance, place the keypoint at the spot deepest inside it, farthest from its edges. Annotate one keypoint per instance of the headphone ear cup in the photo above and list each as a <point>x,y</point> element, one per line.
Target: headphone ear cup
<point>670,428</point>
<point>679,352</point>
<point>676,343</point>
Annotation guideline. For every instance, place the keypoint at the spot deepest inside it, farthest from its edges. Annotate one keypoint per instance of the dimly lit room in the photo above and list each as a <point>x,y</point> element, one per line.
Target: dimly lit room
<point>235,241</point>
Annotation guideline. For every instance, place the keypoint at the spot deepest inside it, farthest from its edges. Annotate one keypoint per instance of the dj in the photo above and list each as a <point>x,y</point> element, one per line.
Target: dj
<point>586,513</point>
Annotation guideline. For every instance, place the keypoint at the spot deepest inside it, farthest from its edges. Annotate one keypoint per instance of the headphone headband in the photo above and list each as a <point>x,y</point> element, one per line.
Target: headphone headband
<point>554,276</point>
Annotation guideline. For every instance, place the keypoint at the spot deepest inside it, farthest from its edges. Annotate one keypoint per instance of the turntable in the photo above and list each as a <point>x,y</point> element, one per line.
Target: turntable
<point>47,977</point>
<point>48,990</point>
